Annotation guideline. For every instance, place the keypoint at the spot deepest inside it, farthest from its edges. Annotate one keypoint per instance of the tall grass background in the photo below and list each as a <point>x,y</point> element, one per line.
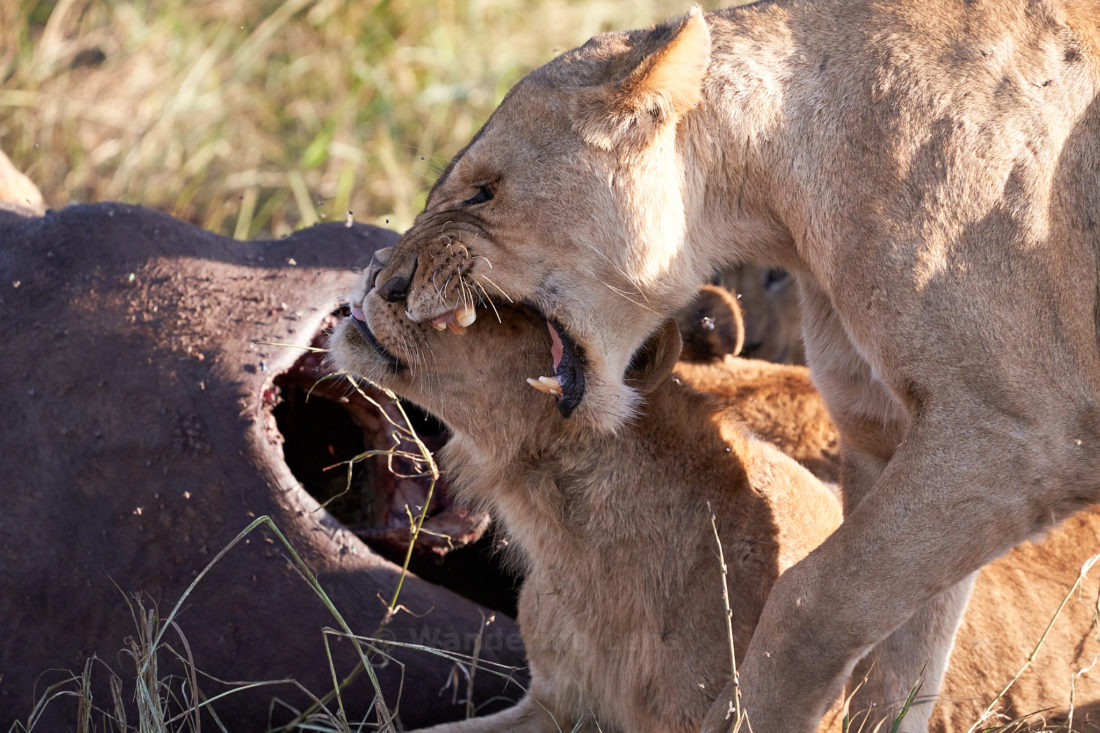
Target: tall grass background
<point>256,118</point>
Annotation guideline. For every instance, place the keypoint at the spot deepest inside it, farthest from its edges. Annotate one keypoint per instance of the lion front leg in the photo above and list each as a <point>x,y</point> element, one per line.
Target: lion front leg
<point>960,490</point>
<point>873,425</point>
<point>916,653</point>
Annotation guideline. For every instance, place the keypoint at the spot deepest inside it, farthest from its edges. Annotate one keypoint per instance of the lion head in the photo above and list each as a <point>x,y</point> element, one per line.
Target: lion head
<point>421,362</point>
<point>576,198</point>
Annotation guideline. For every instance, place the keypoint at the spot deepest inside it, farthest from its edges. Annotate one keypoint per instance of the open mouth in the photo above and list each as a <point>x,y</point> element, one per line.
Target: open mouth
<point>569,365</point>
<point>360,321</point>
<point>344,446</point>
<point>569,362</point>
<point>567,384</point>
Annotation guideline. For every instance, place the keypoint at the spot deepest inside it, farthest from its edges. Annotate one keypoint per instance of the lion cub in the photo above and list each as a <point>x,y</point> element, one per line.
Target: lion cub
<point>621,609</point>
<point>621,604</point>
<point>711,326</point>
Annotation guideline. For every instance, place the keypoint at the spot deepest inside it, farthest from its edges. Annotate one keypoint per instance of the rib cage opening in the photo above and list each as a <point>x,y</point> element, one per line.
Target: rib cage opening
<point>325,424</point>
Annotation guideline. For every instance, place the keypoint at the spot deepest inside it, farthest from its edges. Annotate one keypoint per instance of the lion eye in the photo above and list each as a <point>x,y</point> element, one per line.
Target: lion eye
<point>774,277</point>
<point>484,193</point>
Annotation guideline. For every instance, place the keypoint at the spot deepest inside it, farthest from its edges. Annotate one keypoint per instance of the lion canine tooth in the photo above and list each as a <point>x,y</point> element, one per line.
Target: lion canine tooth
<point>439,326</point>
<point>465,315</point>
<point>552,384</point>
<point>538,385</point>
<point>456,327</point>
<point>546,384</point>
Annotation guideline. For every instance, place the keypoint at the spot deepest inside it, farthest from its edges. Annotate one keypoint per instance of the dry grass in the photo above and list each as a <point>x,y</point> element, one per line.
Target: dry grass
<point>255,118</point>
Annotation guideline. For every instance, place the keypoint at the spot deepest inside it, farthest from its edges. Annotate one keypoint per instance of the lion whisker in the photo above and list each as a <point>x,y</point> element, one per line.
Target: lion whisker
<point>477,287</point>
<point>608,260</point>
<point>623,294</point>
<point>435,284</point>
<point>487,299</point>
<point>462,291</point>
<point>446,284</point>
<point>489,280</point>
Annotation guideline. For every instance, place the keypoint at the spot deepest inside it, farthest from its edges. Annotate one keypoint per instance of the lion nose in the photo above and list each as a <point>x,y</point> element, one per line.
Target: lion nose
<point>378,260</point>
<point>395,289</point>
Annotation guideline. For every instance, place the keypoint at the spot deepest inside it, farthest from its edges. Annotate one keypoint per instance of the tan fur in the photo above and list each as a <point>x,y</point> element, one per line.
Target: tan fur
<point>769,302</point>
<point>610,642</point>
<point>927,170</point>
<point>1014,599</point>
<point>777,402</point>
<point>621,605</point>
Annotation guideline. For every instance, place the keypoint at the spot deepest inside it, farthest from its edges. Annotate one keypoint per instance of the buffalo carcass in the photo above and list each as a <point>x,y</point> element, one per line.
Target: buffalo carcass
<point>142,362</point>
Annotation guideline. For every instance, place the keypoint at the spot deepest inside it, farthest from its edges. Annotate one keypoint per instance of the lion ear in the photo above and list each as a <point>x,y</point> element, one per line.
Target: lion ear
<point>664,83</point>
<point>652,363</point>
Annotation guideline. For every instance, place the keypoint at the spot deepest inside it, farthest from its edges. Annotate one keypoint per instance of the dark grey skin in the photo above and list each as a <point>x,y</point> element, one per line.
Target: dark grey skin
<point>137,444</point>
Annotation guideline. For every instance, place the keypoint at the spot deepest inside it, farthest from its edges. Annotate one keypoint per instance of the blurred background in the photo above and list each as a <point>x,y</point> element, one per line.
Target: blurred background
<point>257,118</point>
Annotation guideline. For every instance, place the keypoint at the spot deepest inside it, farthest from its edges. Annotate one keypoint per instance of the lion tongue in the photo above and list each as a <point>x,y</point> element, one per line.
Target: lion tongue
<point>555,345</point>
<point>567,384</point>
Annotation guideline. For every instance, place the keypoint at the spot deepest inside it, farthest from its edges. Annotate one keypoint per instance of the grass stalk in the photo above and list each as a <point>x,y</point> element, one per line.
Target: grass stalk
<point>740,718</point>
<point>989,709</point>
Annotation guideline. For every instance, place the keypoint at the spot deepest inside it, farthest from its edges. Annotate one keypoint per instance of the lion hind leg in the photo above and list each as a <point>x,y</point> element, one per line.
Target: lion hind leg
<point>909,665</point>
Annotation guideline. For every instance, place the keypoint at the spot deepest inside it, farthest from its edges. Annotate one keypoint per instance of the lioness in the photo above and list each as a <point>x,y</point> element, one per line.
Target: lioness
<point>621,607</point>
<point>927,170</point>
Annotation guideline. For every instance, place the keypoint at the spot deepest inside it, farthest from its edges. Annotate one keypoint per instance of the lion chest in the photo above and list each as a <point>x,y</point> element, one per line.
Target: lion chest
<point>605,641</point>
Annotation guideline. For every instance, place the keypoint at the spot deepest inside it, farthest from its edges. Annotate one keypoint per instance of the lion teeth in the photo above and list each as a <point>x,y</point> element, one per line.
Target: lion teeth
<point>456,327</point>
<point>439,326</point>
<point>465,315</point>
<point>549,385</point>
<point>539,386</point>
<point>551,382</point>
